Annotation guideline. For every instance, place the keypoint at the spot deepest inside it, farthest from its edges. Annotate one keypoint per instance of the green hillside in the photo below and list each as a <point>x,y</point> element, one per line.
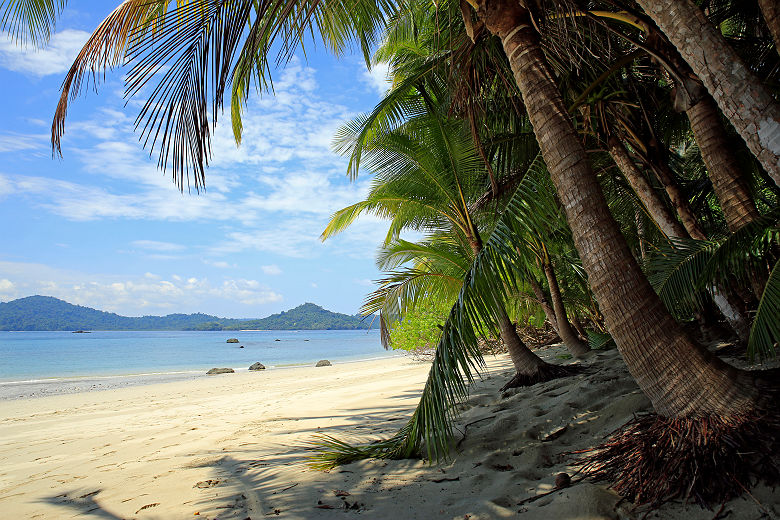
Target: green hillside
<point>48,313</point>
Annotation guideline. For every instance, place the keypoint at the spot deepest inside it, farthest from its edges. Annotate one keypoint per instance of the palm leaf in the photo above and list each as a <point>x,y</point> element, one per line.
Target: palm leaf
<point>30,20</point>
<point>765,332</point>
<point>457,358</point>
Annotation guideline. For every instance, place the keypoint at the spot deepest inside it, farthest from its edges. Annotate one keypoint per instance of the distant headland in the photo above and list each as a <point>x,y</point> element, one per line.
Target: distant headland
<point>48,313</point>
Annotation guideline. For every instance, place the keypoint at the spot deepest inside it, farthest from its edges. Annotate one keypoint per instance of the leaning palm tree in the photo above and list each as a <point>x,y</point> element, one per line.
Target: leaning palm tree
<point>425,172</point>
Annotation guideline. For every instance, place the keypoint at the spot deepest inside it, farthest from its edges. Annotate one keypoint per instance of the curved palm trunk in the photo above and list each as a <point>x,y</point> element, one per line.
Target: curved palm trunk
<point>679,202</point>
<point>650,200</point>
<point>740,95</point>
<point>665,220</point>
<point>529,368</point>
<point>577,347</point>
<point>680,378</point>
<point>720,159</point>
<point>524,360</point>
<point>770,9</point>
<point>541,297</point>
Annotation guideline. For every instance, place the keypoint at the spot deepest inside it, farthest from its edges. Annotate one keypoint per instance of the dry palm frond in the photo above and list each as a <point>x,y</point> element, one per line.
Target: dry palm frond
<point>710,460</point>
<point>104,50</point>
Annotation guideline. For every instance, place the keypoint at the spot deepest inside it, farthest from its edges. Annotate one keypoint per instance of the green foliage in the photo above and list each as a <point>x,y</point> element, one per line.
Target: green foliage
<point>682,272</point>
<point>304,317</point>
<point>765,333</point>
<point>421,327</point>
<point>532,209</point>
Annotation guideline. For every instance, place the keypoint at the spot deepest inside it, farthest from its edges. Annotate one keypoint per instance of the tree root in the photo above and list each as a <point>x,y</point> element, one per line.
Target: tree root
<point>546,372</point>
<point>652,459</point>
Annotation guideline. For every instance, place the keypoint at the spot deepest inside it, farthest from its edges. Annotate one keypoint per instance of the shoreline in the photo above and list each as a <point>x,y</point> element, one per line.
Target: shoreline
<point>12,390</point>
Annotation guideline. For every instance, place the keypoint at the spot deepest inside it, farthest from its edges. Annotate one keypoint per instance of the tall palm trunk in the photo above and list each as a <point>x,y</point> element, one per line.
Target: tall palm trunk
<point>738,92</point>
<point>770,9</point>
<point>678,200</point>
<point>673,229</point>
<point>577,347</point>
<point>680,378</point>
<point>650,200</point>
<point>719,157</point>
<point>541,297</point>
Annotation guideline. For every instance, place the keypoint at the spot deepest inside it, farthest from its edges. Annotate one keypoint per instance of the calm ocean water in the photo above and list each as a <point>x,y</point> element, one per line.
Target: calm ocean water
<point>28,356</point>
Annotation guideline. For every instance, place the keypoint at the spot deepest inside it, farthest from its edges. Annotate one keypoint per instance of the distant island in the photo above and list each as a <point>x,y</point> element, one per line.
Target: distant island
<point>48,313</point>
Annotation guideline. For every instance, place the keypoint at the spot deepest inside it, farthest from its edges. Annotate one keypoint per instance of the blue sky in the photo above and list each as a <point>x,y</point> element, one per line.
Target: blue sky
<point>103,227</point>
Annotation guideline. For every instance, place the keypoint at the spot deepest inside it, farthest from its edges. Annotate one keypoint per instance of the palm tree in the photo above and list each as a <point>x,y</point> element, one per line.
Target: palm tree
<point>741,96</point>
<point>425,172</point>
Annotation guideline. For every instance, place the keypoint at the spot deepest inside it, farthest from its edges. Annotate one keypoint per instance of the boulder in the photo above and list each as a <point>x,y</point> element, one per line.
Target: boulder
<point>220,371</point>
<point>232,340</point>
<point>323,363</point>
<point>257,366</point>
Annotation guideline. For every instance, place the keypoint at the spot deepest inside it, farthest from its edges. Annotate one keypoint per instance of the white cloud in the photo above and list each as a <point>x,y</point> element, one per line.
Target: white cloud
<point>154,245</point>
<point>7,287</point>
<point>378,78</point>
<point>271,270</point>
<point>55,58</point>
<point>130,295</point>
<point>17,142</point>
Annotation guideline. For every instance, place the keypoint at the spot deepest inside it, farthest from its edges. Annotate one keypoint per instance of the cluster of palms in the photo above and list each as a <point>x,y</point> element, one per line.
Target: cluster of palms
<point>632,143</point>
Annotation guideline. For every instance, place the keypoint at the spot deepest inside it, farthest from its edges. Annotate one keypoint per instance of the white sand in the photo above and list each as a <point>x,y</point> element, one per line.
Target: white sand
<point>230,446</point>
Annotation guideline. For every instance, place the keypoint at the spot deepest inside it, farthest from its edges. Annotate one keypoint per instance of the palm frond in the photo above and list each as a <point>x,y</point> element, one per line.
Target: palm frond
<point>765,332</point>
<point>105,49</point>
<point>457,358</point>
<point>30,20</point>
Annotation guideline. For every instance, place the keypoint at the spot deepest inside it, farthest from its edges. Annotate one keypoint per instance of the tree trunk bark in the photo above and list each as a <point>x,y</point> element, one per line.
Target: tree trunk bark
<point>740,95</point>
<point>640,232</point>
<point>523,359</point>
<point>680,378</point>
<point>719,157</point>
<point>652,202</point>
<point>578,348</point>
<point>541,297</point>
<point>680,203</point>
<point>770,9</point>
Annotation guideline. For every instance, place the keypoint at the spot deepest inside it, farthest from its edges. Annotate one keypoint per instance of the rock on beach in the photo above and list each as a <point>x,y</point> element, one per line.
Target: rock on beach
<point>220,371</point>
<point>323,363</point>
<point>257,366</point>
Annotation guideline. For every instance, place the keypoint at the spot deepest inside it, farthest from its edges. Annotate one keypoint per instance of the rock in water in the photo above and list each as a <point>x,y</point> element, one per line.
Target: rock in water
<point>257,366</point>
<point>220,371</point>
<point>323,363</point>
<point>232,340</point>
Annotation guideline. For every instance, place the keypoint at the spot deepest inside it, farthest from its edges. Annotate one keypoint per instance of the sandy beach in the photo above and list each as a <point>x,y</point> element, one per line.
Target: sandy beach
<point>233,447</point>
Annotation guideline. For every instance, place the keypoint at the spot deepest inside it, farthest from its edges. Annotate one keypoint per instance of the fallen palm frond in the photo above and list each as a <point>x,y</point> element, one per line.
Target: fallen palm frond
<point>652,460</point>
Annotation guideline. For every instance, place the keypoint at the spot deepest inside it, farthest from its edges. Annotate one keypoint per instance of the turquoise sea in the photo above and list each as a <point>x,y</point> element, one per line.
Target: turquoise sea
<point>118,358</point>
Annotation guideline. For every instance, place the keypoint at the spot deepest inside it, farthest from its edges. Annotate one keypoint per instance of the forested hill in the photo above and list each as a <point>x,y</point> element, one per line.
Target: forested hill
<point>307,316</point>
<point>48,313</point>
